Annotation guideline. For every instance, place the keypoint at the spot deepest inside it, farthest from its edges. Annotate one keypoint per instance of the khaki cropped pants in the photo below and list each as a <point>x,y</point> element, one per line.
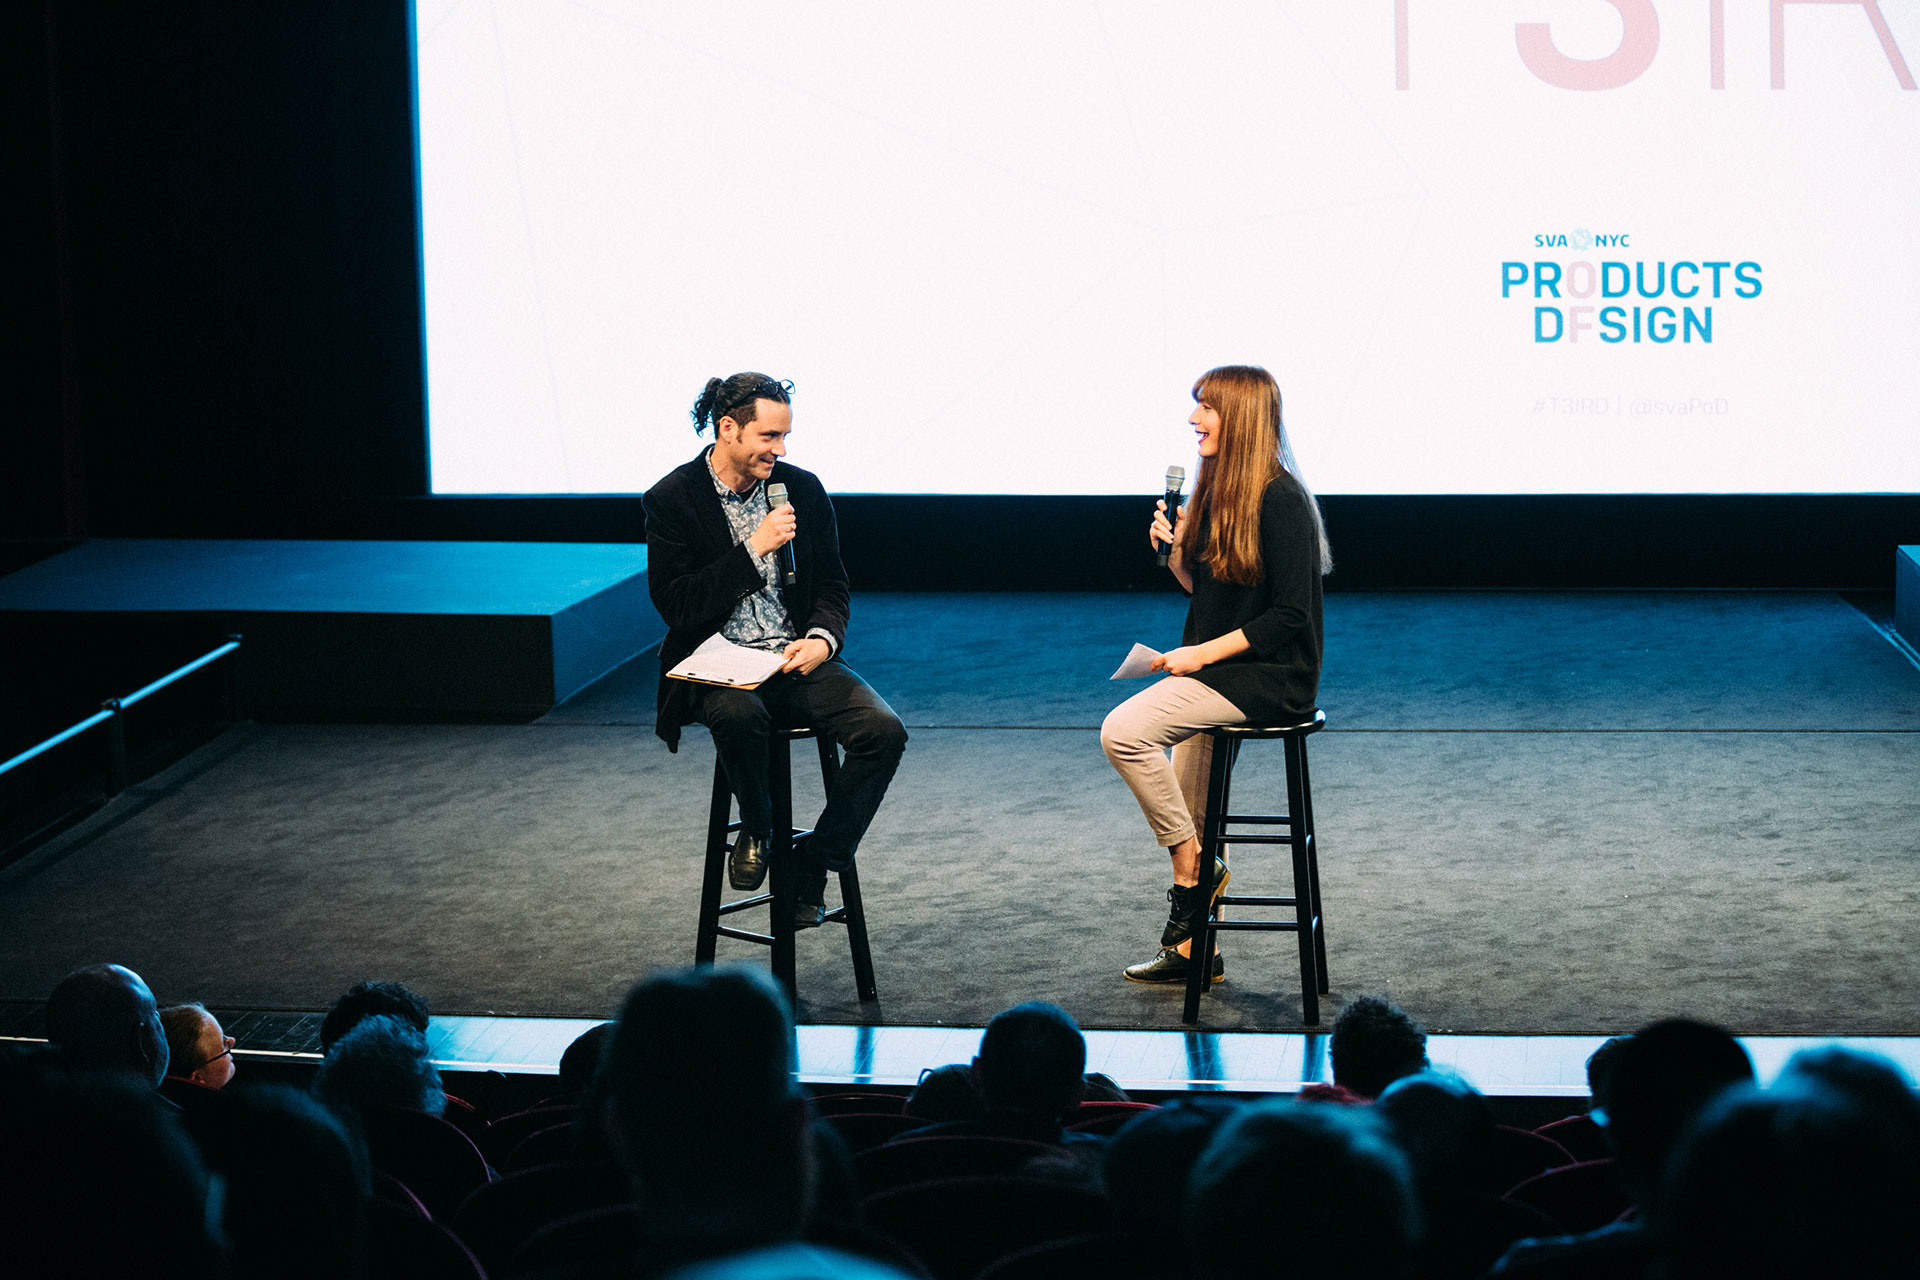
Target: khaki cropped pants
<point>1139,732</point>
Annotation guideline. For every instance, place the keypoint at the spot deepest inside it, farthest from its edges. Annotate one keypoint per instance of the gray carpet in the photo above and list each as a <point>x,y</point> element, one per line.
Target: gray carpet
<point>1538,813</point>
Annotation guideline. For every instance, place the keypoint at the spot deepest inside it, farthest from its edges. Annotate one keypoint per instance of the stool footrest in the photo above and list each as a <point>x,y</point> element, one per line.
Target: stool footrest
<point>1260,819</point>
<point>1230,838</point>
<point>1257,926</point>
<point>1249,900</point>
<point>745,904</point>
<point>745,935</point>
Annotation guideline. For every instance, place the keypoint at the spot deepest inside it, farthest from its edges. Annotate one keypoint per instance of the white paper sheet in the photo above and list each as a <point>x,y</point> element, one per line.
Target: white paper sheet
<point>720,661</point>
<point>1136,664</point>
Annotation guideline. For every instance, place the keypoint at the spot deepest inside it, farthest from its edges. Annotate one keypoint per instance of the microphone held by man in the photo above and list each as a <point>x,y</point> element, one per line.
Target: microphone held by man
<point>777,498</point>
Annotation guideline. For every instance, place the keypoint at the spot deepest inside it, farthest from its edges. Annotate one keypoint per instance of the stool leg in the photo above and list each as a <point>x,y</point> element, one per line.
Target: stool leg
<point>1313,869</point>
<point>1302,884</point>
<point>718,814</point>
<point>854,915</point>
<point>1200,972</point>
<point>852,912</point>
<point>780,860</point>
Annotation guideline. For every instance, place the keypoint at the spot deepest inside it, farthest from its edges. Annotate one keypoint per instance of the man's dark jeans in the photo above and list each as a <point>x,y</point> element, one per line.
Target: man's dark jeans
<point>835,700</point>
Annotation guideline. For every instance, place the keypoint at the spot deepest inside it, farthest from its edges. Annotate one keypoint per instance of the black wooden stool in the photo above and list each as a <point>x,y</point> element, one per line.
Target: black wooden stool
<point>1214,838</point>
<point>783,851</point>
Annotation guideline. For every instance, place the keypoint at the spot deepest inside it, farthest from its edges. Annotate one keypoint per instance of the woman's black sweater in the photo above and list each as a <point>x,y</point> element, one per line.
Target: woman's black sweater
<point>1279,677</point>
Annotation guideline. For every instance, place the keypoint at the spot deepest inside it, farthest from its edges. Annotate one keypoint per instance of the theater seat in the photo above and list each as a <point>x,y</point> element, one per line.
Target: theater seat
<point>862,1130</point>
<point>1580,1197</point>
<point>501,1216</point>
<point>1583,1139</point>
<point>402,1245</point>
<point>959,1225</point>
<point>901,1164</point>
<point>436,1161</point>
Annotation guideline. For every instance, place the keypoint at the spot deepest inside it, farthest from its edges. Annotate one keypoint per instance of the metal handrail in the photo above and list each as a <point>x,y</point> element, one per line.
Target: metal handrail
<point>111,709</point>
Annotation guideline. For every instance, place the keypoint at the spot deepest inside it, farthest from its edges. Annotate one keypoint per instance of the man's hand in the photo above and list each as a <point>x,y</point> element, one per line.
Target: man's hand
<point>775,532</point>
<point>806,653</point>
<point>1183,661</point>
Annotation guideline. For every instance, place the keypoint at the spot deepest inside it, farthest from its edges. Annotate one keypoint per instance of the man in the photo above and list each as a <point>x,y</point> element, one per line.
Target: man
<point>199,1053</point>
<point>1375,1043</point>
<point>104,1018</point>
<point>705,1115</point>
<point>1662,1078</point>
<point>1029,1073</point>
<point>714,565</point>
<point>1302,1189</point>
<point>371,998</point>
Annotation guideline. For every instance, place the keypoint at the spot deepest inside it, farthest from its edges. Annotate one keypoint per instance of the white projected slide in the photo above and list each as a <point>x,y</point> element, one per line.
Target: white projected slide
<point>1514,246</point>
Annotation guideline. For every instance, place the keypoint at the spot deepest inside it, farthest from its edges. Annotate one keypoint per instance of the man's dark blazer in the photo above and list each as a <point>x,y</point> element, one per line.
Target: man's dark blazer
<point>697,574</point>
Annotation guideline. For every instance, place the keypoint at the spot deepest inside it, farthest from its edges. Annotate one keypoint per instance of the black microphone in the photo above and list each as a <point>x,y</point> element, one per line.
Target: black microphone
<point>777,498</point>
<point>1176,477</point>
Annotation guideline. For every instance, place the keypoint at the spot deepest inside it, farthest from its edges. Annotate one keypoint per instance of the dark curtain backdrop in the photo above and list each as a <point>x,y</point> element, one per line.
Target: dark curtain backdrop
<point>217,255</point>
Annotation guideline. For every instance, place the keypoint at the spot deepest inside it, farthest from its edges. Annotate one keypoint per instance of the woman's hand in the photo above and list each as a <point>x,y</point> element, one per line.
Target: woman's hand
<point>1183,661</point>
<point>1188,659</point>
<point>1160,533</point>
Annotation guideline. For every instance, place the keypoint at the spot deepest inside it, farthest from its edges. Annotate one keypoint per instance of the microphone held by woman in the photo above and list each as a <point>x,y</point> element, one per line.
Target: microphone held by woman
<point>1176,480</point>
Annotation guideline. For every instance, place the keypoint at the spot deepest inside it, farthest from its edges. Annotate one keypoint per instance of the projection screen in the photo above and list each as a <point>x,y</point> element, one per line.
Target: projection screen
<point>1523,246</point>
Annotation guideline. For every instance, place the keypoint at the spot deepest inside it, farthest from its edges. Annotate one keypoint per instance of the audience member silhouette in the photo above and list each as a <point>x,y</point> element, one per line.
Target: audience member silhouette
<point>580,1063</point>
<point>296,1183</point>
<point>368,999</point>
<point>97,1177</point>
<point>1302,1189</point>
<point>1375,1043</point>
<point>1447,1130</point>
<point>1663,1077</point>
<point>1870,1080</point>
<point>1600,1064</point>
<point>1147,1167</point>
<point>103,1018</point>
<point>946,1093</point>
<point>706,1116</point>
<point>791,1261</point>
<point>1030,1074</point>
<point>382,1062</point>
<point>1814,1177</point>
<point>1445,1126</point>
<point>199,1053</point>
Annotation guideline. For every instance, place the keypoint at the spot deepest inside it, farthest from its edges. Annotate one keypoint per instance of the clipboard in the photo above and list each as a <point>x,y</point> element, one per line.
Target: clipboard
<point>719,661</point>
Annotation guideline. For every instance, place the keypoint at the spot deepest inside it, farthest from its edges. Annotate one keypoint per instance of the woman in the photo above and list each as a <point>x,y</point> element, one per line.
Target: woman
<point>1250,550</point>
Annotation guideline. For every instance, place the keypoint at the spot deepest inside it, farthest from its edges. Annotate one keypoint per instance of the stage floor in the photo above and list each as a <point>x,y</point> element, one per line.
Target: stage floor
<point>1563,814</point>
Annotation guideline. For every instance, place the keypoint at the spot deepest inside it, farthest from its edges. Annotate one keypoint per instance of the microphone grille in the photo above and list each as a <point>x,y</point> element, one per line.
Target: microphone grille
<point>1176,478</point>
<point>776,495</point>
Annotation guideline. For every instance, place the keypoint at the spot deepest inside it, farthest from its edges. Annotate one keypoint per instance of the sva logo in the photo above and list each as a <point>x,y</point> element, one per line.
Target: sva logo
<point>1581,239</point>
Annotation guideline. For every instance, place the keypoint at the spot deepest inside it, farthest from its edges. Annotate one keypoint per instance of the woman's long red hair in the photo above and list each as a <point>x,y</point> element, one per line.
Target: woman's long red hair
<point>1230,486</point>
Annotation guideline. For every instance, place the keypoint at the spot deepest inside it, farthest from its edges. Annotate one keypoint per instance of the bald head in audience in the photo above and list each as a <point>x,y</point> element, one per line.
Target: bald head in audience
<point>103,1018</point>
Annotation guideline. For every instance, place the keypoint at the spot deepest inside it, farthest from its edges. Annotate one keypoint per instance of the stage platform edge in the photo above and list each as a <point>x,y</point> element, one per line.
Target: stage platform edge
<point>1906,594</point>
<point>336,629</point>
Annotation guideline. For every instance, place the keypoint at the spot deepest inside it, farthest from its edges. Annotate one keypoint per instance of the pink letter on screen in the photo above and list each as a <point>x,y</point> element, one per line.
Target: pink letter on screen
<point>1717,45</point>
<point>1639,41</point>
<point>1400,74</point>
<point>1778,38</point>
